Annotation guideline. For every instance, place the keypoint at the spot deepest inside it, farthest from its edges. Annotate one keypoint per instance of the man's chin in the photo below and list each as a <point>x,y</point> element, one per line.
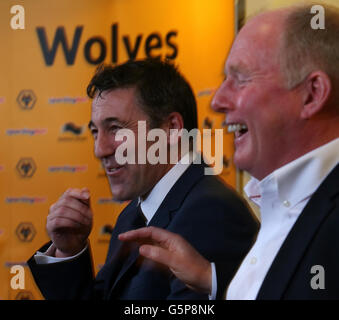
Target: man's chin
<point>120,196</point>
<point>241,163</point>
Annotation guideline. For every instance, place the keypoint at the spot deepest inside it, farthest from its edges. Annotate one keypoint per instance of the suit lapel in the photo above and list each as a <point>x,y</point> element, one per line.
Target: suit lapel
<point>299,238</point>
<point>163,215</point>
<point>118,249</point>
<point>124,223</point>
<point>183,186</point>
<point>131,251</point>
<point>177,195</point>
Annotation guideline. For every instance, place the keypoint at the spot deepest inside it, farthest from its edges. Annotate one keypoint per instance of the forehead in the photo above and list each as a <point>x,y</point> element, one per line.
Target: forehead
<point>256,47</point>
<point>110,98</point>
<point>119,103</point>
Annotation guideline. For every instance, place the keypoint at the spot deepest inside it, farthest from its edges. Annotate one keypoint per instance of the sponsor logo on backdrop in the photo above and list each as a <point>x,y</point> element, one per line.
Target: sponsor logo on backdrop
<point>106,229</point>
<point>209,126</point>
<point>152,45</point>
<point>68,168</point>
<point>73,128</point>
<point>24,295</point>
<point>226,162</point>
<point>25,231</point>
<point>206,92</point>
<point>67,100</point>
<point>26,167</point>
<point>207,123</point>
<point>25,200</point>
<point>72,132</point>
<point>106,201</point>
<point>10,264</point>
<point>26,99</point>
<point>26,132</point>
<point>105,232</point>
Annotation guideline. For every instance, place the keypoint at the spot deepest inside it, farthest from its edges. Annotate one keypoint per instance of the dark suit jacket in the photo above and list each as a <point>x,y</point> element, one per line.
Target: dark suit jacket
<point>313,241</point>
<point>198,207</point>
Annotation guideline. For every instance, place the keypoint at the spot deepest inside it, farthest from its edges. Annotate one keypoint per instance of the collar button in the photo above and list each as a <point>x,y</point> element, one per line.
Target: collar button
<point>286,203</point>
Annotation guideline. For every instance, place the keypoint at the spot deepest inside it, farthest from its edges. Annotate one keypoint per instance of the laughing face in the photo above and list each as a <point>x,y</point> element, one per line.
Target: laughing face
<point>260,110</point>
<point>111,111</point>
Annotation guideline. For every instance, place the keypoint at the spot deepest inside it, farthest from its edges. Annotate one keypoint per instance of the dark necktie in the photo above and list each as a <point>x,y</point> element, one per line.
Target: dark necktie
<point>139,219</point>
<point>129,257</point>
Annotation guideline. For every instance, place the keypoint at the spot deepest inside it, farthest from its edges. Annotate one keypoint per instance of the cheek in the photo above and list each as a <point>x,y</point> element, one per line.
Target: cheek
<point>134,175</point>
<point>242,100</point>
<point>263,106</point>
<point>249,101</point>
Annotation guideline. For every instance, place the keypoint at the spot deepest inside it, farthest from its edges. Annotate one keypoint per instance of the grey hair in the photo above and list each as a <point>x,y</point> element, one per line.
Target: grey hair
<point>305,50</point>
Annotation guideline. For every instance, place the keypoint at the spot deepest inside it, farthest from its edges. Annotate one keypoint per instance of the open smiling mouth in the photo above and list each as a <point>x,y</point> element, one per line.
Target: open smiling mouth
<point>111,171</point>
<point>238,129</point>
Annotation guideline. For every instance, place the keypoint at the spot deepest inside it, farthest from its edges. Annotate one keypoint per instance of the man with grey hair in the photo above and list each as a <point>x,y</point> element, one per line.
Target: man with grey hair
<point>281,100</point>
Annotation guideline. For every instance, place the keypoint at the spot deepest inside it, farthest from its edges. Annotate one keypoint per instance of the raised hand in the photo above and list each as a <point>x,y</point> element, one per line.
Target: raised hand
<point>176,253</point>
<point>69,222</point>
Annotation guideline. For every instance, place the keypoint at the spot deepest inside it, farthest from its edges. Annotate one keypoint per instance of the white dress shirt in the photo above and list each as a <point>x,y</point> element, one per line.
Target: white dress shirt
<point>281,197</point>
<point>149,206</point>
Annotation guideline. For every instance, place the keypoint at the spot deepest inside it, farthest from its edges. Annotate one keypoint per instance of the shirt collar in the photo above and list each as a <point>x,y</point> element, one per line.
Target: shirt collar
<point>298,179</point>
<point>151,204</point>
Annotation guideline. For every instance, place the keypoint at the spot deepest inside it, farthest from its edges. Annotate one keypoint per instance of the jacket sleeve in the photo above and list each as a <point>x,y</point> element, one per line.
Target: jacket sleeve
<point>71,279</point>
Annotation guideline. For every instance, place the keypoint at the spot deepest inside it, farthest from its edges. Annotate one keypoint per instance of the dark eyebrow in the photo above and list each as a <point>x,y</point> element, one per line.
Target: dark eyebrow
<point>104,122</point>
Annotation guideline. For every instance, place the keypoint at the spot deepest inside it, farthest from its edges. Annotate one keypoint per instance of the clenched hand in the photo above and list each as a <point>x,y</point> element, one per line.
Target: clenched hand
<point>69,222</point>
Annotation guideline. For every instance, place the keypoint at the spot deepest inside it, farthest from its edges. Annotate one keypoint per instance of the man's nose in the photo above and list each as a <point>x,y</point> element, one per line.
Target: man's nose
<point>222,100</point>
<point>104,146</point>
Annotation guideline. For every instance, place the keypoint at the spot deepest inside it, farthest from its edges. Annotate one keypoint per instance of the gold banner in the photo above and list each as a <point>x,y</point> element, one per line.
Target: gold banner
<point>44,110</point>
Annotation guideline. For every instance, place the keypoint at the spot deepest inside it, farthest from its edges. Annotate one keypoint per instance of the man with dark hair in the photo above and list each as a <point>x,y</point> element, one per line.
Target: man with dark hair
<point>280,98</point>
<point>177,197</point>
<point>160,89</point>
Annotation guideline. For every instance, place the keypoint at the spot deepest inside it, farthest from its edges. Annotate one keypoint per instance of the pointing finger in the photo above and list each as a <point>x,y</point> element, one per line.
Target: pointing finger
<point>147,234</point>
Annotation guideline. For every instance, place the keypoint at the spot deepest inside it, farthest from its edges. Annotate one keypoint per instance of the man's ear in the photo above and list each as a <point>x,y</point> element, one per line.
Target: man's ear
<point>318,88</point>
<point>175,123</point>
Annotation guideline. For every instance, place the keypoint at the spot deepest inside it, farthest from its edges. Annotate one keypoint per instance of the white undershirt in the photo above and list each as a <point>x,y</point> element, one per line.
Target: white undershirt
<point>151,204</point>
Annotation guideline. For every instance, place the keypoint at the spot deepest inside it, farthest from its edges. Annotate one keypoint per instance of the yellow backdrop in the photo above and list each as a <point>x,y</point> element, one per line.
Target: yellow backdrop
<point>44,111</point>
